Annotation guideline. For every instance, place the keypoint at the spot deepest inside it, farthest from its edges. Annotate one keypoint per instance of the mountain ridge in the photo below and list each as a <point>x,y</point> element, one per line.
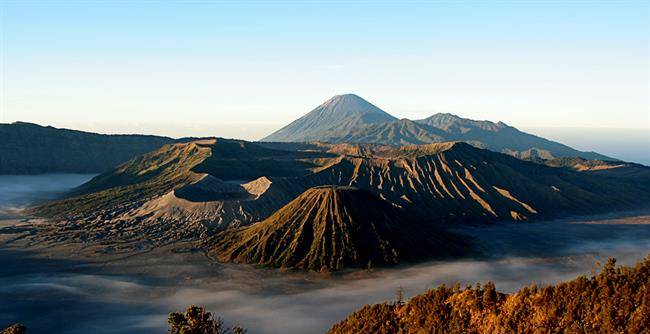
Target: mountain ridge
<point>189,191</point>
<point>28,148</point>
<point>440,127</point>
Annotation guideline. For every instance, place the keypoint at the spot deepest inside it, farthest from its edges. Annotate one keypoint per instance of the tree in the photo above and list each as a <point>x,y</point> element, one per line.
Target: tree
<point>614,301</point>
<point>196,320</point>
<point>15,329</point>
<point>399,296</point>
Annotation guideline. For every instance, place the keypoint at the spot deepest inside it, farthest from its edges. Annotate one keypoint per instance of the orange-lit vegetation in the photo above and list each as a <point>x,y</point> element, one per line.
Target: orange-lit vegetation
<point>615,301</point>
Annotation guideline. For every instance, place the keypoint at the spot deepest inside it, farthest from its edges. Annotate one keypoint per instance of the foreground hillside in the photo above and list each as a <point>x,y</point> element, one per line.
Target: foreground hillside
<point>614,301</point>
<point>330,228</point>
<point>190,191</point>
<point>33,149</point>
<point>349,118</point>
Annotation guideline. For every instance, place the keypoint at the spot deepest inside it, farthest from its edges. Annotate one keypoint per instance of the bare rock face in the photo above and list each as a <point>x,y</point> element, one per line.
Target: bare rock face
<point>331,228</point>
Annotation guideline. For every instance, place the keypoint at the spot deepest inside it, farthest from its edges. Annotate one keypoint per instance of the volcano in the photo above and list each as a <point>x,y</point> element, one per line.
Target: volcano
<point>328,228</point>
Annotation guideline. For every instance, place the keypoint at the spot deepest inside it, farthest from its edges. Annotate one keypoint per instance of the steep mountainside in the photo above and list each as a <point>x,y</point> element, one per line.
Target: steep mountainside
<point>191,190</point>
<point>181,191</point>
<point>338,121</point>
<point>337,115</point>
<point>614,301</point>
<point>456,182</point>
<point>32,149</point>
<point>331,228</point>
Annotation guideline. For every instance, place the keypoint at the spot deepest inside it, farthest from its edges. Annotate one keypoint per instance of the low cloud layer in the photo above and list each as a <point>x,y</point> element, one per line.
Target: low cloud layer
<point>295,303</point>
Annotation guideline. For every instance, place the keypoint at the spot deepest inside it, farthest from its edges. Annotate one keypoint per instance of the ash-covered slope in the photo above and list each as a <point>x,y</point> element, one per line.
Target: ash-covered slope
<point>179,192</point>
<point>337,115</point>
<point>193,190</point>
<point>458,183</point>
<point>331,228</point>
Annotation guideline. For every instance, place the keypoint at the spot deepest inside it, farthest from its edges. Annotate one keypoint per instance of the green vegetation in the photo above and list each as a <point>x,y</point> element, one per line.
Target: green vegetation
<point>196,320</point>
<point>614,301</point>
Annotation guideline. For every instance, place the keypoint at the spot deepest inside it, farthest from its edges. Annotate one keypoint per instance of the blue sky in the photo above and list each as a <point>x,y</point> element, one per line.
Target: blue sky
<point>182,68</point>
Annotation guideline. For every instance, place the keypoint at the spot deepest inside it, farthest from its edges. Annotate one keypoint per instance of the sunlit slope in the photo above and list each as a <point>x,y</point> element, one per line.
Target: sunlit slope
<point>192,190</point>
<point>458,182</point>
<point>179,192</point>
<point>331,228</point>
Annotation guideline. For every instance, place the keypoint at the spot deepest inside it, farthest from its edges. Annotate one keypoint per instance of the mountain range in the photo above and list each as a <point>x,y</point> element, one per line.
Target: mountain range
<point>351,119</point>
<point>347,185</point>
<point>27,148</point>
<point>208,189</point>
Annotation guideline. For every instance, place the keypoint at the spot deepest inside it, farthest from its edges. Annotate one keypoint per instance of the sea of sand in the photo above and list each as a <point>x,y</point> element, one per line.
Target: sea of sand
<point>67,289</point>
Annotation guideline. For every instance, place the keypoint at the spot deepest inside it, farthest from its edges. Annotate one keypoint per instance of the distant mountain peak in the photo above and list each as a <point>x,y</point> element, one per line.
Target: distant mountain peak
<point>350,104</point>
<point>341,112</point>
<point>340,97</point>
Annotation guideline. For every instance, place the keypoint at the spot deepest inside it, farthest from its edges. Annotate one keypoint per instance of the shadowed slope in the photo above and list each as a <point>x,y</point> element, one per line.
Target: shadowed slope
<point>330,228</point>
<point>637,172</point>
<point>27,148</point>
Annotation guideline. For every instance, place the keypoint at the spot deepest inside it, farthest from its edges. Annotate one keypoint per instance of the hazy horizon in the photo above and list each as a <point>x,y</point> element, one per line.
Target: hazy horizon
<point>528,63</point>
<point>631,144</point>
